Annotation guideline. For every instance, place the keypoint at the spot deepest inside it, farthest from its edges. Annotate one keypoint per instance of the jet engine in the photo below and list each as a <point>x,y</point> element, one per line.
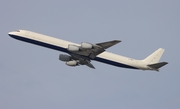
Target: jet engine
<point>64,57</point>
<point>72,63</point>
<point>73,48</point>
<point>86,45</point>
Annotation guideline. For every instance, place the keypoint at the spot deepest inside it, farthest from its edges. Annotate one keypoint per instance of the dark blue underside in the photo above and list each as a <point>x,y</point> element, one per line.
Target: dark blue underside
<point>65,50</point>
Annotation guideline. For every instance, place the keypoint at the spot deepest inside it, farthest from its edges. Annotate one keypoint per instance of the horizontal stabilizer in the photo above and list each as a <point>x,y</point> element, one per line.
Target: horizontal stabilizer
<point>157,65</point>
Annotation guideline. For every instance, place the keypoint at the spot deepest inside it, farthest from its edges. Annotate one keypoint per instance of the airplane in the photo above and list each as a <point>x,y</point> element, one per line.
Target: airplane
<point>84,53</point>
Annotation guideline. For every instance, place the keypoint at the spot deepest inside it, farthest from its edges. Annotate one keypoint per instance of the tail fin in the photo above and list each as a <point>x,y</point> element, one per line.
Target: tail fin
<point>154,57</point>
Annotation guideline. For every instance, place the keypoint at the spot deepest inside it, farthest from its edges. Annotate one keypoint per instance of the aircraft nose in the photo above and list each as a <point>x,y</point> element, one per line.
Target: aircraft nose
<point>10,33</point>
<point>13,33</point>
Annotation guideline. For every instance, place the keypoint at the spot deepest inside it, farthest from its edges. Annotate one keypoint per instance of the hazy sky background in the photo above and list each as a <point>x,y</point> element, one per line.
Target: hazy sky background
<point>32,77</point>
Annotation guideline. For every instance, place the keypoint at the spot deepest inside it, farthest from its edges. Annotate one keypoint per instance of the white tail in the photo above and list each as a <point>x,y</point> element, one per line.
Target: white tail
<point>154,57</point>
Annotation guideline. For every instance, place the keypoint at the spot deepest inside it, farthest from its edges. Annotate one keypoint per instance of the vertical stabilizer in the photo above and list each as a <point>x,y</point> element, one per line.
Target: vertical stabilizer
<point>154,57</point>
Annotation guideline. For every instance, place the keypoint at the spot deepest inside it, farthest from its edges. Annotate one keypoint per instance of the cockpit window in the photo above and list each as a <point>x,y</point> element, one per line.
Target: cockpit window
<point>17,30</point>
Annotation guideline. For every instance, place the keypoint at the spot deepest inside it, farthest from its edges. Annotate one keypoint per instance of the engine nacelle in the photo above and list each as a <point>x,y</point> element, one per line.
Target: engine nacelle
<point>72,63</point>
<point>64,57</point>
<point>73,48</point>
<point>86,45</point>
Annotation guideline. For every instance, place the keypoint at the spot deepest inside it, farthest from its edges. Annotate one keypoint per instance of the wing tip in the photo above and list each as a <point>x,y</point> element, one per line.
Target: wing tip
<point>118,41</point>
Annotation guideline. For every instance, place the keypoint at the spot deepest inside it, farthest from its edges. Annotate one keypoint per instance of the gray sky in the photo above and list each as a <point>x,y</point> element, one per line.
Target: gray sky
<point>32,77</point>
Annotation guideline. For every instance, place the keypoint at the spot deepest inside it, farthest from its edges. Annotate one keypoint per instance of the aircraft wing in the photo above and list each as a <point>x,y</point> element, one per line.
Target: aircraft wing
<point>82,60</point>
<point>83,56</point>
<point>106,45</point>
<point>97,49</point>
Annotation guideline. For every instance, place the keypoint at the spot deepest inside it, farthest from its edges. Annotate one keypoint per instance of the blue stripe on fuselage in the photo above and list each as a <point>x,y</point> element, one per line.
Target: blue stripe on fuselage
<point>103,60</point>
<point>39,43</point>
<point>65,50</point>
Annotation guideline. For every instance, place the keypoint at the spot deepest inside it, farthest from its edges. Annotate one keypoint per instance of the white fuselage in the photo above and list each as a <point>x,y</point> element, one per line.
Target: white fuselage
<point>61,45</point>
